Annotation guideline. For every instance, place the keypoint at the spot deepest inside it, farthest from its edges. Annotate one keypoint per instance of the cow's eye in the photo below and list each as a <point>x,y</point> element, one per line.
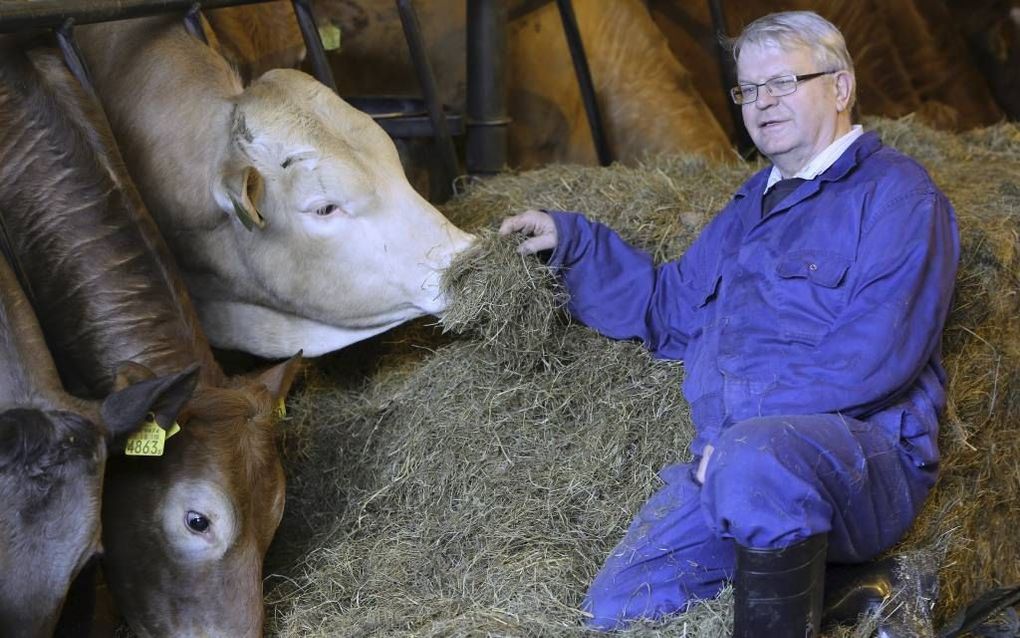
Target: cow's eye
<point>326,210</point>
<point>197,522</point>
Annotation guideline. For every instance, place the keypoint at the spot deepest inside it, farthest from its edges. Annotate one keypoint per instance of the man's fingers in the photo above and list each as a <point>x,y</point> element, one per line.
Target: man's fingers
<point>538,226</point>
<point>510,225</point>
<point>536,244</point>
<point>530,222</point>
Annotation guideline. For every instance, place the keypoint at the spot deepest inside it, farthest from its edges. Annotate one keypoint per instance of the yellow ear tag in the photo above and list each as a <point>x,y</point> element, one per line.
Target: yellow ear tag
<point>172,430</point>
<point>330,36</point>
<point>147,440</point>
<point>281,409</point>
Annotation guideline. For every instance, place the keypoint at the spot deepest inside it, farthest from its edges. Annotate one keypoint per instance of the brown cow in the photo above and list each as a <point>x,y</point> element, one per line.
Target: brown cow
<point>908,53</point>
<point>53,450</point>
<point>648,99</point>
<point>257,38</point>
<point>185,533</point>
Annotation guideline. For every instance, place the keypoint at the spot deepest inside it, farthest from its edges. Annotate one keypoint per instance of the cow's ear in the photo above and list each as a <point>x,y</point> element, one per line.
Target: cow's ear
<point>163,397</point>
<point>239,193</point>
<point>280,377</point>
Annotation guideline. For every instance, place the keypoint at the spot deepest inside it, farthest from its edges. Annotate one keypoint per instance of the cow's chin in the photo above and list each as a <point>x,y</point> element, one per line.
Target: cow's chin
<point>274,334</point>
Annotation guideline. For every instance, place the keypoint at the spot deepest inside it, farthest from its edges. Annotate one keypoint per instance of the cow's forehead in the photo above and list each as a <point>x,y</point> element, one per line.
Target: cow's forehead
<point>346,134</point>
<point>294,99</point>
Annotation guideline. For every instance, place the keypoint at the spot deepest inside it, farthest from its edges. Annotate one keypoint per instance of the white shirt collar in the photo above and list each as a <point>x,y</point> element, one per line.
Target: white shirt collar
<point>821,162</point>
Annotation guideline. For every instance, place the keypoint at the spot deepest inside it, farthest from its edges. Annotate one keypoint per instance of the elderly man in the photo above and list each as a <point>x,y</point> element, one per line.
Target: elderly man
<point>809,314</point>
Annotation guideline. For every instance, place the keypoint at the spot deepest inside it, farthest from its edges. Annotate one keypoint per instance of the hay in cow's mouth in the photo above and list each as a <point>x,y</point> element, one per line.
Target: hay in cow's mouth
<point>473,484</point>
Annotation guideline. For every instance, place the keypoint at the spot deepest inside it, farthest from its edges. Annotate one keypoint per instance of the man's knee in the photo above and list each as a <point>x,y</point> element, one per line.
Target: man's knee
<point>760,489</point>
<point>748,450</point>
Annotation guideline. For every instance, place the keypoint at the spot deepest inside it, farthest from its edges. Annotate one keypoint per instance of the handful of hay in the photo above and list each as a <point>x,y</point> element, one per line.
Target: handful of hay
<point>473,484</point>
<point>508,301</point>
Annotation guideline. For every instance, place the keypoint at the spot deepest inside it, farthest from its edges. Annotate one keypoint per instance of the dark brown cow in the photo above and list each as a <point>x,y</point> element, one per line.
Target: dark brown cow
<point>992,29</point>
<point>53,450</point>
<point>185,533</point>
<point>960,84</point>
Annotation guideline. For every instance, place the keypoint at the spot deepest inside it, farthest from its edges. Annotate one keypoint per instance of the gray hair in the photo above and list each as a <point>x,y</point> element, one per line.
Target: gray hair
<point>793,29</point>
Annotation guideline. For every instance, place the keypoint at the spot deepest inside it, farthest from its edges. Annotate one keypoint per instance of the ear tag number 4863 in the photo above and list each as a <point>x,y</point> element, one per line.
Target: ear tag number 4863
<point>148,440</point>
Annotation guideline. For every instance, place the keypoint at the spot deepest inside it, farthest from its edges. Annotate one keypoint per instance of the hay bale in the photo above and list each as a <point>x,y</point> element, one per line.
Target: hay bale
<point>473,484</point>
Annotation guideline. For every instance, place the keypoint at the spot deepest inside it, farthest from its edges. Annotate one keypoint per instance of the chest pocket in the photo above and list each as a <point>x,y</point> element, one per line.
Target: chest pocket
<point>810,293</point>
<point>819,267</point>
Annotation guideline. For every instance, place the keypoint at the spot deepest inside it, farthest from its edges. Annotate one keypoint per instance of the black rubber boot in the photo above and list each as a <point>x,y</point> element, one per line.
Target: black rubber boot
<point>778,592</point>
<point>901,596</point>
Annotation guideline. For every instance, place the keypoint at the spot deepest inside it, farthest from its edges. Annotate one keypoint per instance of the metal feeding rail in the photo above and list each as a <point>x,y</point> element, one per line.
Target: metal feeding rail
<point>63,15</point>
<point>401,118</point>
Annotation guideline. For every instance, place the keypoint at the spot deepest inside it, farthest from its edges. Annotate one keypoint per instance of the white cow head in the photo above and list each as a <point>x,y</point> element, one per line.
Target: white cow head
<point>327,243</point>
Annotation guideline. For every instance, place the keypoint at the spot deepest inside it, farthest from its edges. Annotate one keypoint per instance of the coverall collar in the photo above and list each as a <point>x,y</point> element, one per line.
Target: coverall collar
<point>865,145</point>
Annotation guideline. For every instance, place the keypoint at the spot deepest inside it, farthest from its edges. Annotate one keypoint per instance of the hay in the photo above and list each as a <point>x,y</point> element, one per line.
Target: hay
<point>514,307</point>
<point>472,484</point>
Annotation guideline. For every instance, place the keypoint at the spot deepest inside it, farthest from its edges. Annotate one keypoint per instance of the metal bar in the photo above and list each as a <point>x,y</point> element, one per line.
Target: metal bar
<point>728,75</point>
<point>486,84</point>
<point>73,58</point>
<point>427,80</point>
<point>51,14</point>
<point>193,23</point>
<point>313,43</point>
<point>591,105</point>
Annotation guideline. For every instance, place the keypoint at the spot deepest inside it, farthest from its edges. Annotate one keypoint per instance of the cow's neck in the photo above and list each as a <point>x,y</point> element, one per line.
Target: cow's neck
<point>104,284</point>
<point>191,88</point>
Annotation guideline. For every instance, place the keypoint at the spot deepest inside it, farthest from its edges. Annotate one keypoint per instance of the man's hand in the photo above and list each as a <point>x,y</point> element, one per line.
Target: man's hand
<point>537,225</point>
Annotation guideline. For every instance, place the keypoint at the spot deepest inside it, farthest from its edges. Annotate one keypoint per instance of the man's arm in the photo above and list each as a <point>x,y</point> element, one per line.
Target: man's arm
<point>614,287</point>
<point>890,329</point>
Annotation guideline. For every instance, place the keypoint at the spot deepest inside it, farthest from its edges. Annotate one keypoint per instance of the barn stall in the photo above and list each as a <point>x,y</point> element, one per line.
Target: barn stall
<point>468,477</point>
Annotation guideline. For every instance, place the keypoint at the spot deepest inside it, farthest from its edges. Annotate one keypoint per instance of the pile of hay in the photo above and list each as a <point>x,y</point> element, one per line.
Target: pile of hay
<point>472,484</point>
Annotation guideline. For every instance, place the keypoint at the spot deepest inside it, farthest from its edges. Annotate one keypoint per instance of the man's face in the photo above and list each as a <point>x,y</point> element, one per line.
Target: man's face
<point>791,129</point>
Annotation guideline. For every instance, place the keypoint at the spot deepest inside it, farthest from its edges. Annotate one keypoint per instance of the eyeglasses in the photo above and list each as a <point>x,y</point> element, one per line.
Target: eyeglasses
<point>777,87</point>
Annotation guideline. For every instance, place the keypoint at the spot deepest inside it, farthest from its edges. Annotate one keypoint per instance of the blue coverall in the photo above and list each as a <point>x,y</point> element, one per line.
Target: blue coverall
<point>811,341</point>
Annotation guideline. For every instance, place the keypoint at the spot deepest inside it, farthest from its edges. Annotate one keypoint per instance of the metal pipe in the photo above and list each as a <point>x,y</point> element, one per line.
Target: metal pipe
<point>427,81</point>
<point>193,23</point>
<point>73,58</point>
<point>313,43</point>
<point>51,14</point>
<point>728,75</point>
<point>591,105</point>
<point>486,84</point>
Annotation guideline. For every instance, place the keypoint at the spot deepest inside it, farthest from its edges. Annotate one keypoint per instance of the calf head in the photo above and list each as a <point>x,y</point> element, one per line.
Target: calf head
<point>324,229</point>
<point>51,478</point>
<point>186,533</point>
<point>51,469</point>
